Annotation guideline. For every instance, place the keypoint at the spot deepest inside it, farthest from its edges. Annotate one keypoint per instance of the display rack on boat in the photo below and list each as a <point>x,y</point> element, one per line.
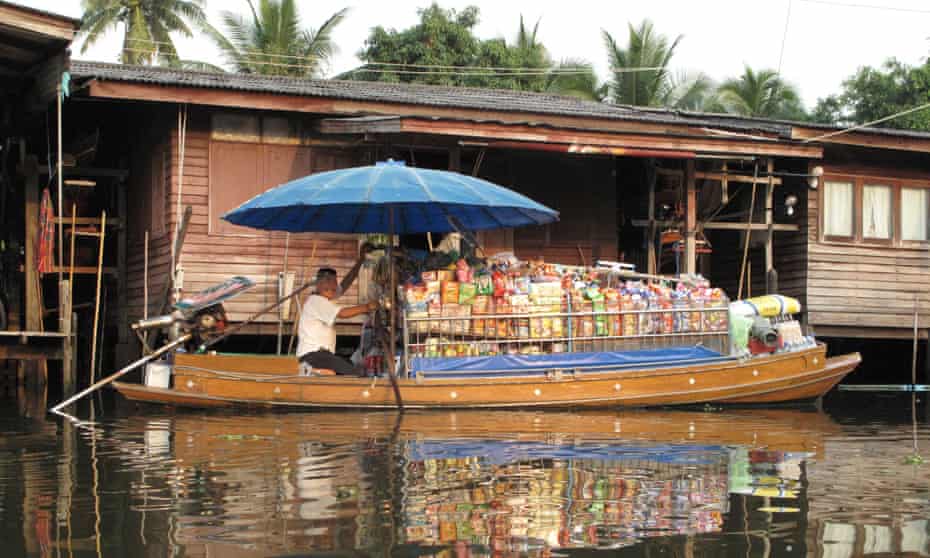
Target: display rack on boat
<point>592,360</point>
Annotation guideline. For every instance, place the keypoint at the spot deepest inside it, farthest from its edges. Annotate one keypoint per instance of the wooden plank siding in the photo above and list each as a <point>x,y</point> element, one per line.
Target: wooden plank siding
<point>213,253</point>
<point>859,287</point>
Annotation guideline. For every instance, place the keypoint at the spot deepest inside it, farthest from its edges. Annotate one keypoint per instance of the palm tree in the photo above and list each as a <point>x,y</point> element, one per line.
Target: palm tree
<point>271,42</point>
<point>532,53</point>
<point>148,26</point>
<point>576,78</point>
<point>760,93</point>
<point>631,84</point>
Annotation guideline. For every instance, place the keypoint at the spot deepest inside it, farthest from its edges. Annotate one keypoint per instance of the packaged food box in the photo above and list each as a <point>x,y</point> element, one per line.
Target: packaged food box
<point>545,290</point>
<point>446,275</point>
<point>428,276</point>
<point>450,292</point>
<point>433,289</point>
<point>418,321</point>
<point>481,305</point>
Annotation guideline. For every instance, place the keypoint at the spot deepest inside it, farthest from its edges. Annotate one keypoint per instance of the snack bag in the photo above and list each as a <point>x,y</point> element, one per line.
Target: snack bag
<point>484,283</point>
<point>467,292</point>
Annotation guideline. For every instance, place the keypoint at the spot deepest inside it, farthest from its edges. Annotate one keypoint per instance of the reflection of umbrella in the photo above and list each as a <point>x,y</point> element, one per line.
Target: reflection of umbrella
<point>361,200</point>
<point>389,198</point>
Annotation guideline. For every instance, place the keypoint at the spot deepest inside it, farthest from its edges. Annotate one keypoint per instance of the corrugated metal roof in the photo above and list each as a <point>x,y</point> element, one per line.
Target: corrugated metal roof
<point>449,97</point>
<point>414,94</point>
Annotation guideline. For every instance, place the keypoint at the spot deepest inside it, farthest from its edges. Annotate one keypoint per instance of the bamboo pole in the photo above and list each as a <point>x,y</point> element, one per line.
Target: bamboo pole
<point>145,285</point>
<point>752,207</point>
<point>914,351</point>
<point>93,345</point>
<point>282,280</point>
<point>392,371</point>
<point>60,186</point>
<point>295,327</point>
<point>71,263</point>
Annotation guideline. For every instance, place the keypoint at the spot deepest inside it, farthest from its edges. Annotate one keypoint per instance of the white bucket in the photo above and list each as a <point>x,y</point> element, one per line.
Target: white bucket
<point>158,375</point>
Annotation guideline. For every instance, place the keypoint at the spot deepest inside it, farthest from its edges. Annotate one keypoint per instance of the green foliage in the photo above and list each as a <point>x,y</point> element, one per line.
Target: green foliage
<point>874,93</point>
<point>148,25</point>
<point>576,78</point>
<point>761,94</point>
<point>270,40</point>
<point>431,51</point>
<point>632,84</point>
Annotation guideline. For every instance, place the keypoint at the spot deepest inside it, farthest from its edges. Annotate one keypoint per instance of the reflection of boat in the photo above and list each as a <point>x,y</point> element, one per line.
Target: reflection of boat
<point>778,429</point>
<point>215,380</point>
<point>493,480</point>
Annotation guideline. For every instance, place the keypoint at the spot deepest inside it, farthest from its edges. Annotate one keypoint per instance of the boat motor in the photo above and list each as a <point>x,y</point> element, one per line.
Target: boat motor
<point>763,334</point>
<point>203,325</point>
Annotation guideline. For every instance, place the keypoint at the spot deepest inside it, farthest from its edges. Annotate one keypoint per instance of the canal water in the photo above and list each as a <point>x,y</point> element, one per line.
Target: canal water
<point>145,481</point>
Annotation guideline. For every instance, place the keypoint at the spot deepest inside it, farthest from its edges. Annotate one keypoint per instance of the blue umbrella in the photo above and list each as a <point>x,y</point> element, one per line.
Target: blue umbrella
<point>361,200</point>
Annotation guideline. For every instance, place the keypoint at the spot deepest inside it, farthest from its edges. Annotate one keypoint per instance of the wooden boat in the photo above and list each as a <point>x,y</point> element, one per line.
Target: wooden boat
<point>219,380</point>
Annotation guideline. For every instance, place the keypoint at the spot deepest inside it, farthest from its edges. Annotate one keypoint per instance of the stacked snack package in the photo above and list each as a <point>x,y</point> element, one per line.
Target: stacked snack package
<point>531,308</point>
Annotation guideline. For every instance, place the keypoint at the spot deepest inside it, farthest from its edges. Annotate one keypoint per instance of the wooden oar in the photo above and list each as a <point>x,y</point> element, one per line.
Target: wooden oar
<point>123,371</point>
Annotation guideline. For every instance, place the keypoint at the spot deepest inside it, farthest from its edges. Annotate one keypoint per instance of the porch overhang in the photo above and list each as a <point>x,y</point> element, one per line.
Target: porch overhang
<point>539,137</point>
<point>347,116</point>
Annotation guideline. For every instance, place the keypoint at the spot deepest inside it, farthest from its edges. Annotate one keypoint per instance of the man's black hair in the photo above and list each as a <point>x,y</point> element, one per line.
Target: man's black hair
<point>325,273</point>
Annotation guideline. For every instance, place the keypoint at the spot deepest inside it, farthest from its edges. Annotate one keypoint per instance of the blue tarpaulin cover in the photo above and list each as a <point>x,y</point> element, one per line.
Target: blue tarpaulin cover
<point>501,452</point>
<point>539,364</point>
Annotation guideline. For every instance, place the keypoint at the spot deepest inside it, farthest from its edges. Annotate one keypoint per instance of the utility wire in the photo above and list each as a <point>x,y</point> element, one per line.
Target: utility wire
<point>867,6</point>
<point>539,72</point>
<point>258,54</point>
<point>784,38</point>
<point>867,124</point>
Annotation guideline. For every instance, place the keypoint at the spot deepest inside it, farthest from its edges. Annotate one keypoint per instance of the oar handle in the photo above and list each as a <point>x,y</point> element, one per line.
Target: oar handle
<point>123,371</point>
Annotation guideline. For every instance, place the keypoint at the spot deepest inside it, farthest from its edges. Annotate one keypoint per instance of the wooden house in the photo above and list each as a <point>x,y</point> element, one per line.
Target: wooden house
<point>666,190</point>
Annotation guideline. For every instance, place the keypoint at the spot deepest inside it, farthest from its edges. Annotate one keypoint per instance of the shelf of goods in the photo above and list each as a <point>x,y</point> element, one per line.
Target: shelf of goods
<point>556,312</point>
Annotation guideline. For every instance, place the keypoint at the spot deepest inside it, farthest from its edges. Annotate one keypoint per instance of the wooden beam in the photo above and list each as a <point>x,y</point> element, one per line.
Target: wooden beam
<point>466,122</point>
<point>777,227</point>
<point>864,139</point>
<point>89,221</point>
<point>31,352</point>
<point>669,142</point>
<point>690,218</point>
<point>68,380</point>
<point>83,270</point>
<point>455,159</point>
<point>38,22</point>
<point>30,174</point>
<point>721,176</point>
<point>859,332</point>
<point>651,263</point>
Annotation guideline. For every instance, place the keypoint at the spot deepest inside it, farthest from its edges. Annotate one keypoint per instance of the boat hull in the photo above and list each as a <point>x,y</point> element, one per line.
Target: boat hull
<point>224,380</point>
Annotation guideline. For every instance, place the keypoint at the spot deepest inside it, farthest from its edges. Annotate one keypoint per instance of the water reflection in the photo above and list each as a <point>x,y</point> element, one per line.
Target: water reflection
<point>753,482</point>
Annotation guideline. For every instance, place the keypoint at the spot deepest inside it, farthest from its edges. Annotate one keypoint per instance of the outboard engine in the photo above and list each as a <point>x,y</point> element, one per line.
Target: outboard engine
<point>762,336</point>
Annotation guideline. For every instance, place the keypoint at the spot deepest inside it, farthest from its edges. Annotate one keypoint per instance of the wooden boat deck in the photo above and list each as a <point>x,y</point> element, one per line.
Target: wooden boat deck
<point>223,380</point>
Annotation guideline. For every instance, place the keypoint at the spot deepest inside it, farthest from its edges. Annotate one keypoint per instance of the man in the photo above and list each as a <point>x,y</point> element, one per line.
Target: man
<point>316,347</point>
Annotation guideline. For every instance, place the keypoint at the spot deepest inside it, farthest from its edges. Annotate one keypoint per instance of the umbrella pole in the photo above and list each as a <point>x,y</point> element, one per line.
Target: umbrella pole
<point>392,372</point>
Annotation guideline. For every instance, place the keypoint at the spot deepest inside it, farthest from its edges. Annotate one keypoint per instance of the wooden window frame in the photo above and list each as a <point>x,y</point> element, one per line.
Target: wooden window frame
<point>823,213</point>
<point>900,233</point>
<point>895,208</point>
<point>857,238</point>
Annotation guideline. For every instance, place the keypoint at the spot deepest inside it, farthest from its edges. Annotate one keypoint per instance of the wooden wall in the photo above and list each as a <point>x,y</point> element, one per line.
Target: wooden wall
<point>584,191</point>
<point>864,290</point>
<point>213,172</point>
